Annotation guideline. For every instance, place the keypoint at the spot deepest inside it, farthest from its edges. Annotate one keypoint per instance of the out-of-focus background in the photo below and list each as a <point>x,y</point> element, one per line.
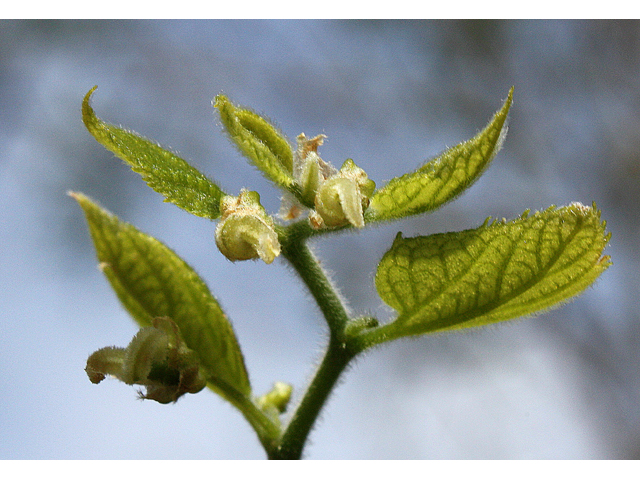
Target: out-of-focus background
<point>389,94</point>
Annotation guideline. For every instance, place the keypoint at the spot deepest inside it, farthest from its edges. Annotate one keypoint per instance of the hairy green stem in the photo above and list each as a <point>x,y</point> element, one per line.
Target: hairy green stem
<point>369,337</point>
<point>268,432</point>
<point>296,433</point>
<point>296,251</point>
<point>339,352</point>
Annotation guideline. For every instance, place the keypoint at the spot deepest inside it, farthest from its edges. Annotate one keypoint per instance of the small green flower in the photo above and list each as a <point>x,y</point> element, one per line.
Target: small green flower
<point>277,398</point>
<point>309,170</point>
<point>246,231</point>
<point>342,198</point>
<point>156,358</point>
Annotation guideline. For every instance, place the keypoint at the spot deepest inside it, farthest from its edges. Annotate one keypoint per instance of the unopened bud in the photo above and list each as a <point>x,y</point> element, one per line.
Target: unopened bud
<point>277,398</point>
<point>245,231</point>
<point>338,203</point>
<point>341,199</point>
<point>366,186</point>
<point>309,170</point>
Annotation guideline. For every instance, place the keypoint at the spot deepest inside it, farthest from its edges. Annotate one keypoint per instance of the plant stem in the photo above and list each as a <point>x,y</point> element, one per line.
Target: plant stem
<point>268,432</point>
<point>295,436</point>
<point>296,251</point>
<point>339,352</point>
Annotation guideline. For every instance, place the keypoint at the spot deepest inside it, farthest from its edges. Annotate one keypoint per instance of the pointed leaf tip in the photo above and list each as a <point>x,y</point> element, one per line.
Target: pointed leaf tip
<point>496,272</point>
<point>258,140</point>
<point>152,281</point>
<point>443,178</point>
<point>164,171</point>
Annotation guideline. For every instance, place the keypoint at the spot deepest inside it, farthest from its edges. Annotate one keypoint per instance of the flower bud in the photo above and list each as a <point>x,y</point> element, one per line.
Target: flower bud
<point>338,203</point>
<point>337,198</point>
<point>342,198</point>
<point>245,231</point>
<point>309,178</point>
<point>277,398</point>
<point>366,186</point>
<point>309,170</point>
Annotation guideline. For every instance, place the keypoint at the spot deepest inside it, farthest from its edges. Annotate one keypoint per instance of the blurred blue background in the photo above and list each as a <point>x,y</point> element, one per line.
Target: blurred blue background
<point>389,94</point>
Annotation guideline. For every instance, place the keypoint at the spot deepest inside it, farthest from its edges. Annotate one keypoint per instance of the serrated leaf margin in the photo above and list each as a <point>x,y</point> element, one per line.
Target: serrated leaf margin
<point>443,178</point>
<point>206,330</point>
<point>441,301</point>
<point>164,171</point>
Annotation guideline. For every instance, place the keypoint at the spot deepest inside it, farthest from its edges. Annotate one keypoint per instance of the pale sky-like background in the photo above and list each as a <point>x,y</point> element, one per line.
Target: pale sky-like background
<point>390,95</point>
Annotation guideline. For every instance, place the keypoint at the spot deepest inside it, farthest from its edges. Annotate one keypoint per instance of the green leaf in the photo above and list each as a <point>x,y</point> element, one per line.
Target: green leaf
<point>444,177</point>
<point>497,272</point>
<point>164,171</point>
<point>259,141</point>
<point>152,281</point>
